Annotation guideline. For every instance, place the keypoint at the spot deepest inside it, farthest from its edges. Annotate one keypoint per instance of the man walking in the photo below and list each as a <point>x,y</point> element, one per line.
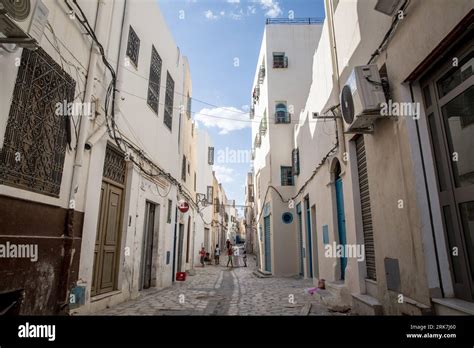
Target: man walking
<point>230,254</point>
<point>202,254</point>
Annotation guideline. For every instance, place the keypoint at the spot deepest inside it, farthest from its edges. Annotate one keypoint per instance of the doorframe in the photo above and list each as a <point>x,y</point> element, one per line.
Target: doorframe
<point>461,50</point>
<point>121,238</point>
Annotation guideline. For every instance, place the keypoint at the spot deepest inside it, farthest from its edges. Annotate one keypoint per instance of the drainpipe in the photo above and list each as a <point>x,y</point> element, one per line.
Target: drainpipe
<point>80,148</point>
<point>328,6</point>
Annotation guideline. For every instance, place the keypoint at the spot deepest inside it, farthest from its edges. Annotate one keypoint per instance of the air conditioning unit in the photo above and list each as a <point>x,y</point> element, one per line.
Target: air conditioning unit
<point>23,21</point>
<point>361,98</point>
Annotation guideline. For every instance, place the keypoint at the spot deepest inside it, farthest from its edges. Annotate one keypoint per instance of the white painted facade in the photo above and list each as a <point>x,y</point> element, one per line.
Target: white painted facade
<point>204,236</point>
<point>289,85</point>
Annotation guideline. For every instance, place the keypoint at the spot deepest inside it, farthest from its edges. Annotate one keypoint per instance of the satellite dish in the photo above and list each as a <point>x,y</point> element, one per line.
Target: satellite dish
<point>347,105</point>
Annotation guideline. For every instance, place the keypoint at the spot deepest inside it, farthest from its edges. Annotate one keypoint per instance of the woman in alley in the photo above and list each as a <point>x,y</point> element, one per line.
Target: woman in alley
<point>202,254</point>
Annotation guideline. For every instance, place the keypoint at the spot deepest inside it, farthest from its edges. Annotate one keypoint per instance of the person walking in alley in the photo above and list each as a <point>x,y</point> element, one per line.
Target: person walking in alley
<point>202,254</point>
<point>230,254</point>
<point>217,253</point>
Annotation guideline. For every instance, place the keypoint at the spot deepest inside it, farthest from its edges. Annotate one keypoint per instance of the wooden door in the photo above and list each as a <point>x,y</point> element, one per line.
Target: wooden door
<point>106,253</point>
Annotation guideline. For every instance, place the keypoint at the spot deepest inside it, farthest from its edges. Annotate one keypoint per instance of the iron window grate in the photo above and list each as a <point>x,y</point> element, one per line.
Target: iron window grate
<point>133,46</point>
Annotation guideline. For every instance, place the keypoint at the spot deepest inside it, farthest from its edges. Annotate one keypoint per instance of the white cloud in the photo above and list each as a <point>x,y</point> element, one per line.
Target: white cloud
<point>226,119</point>
<point>233,1</point>
<point>222,13</point>
<point>210,15</point>
<point>251,9</point>
<point>224,174</point>
<point>272,8</point>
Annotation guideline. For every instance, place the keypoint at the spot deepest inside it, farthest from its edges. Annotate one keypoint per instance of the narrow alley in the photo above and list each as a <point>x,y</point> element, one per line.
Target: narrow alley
<point>218,290</point>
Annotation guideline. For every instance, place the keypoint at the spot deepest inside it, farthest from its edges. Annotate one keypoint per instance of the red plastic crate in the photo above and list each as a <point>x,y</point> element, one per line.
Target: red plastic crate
<point>181,276</point>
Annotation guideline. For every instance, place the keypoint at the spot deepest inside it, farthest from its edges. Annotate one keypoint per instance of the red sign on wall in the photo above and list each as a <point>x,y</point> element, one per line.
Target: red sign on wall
<point>183,206</point>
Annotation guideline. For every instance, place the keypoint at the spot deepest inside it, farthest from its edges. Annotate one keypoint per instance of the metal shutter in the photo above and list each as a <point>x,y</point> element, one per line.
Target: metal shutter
<point>365,209</point>
<point>268,249</point>
<point>300,238</point>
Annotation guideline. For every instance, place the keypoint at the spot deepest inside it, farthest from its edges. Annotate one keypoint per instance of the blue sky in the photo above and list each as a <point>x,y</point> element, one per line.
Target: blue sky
<point>215,35</point>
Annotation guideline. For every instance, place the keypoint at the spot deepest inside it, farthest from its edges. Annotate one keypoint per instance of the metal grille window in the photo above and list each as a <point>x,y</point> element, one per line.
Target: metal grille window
<point>286,176</point>
<point>261,74</point>
<point>250,193</point>
<point>114,165</point>
<point>169,98</point>
<point>295,156</point>
<point>188,108</point>
<point>280,60</point>
<point>153,96</point>
<point>32,156</point>
<point>263,124</point>
<point>170,207</point>
<point>216,205</point>
<point>281,113</point>
<point>210,194</point>
<point>133,46</point>
<point>183,169</point>
<point>210,155</point>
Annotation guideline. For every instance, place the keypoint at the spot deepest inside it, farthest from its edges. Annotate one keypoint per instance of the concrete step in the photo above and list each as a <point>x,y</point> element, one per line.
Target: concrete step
<point>452,306</point>
<point>262,274</point>
<point>363,304</point>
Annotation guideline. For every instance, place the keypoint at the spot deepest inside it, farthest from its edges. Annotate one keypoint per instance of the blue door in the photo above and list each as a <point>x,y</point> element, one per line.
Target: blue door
<point>308,236</point>
<point>300,238</point>
<point>268,249</point>
<point>341,224</point>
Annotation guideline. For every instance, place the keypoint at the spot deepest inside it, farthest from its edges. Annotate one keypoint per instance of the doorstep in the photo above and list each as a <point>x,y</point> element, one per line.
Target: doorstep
<point>452,306</point>
<point>107,294</point>
<point>364,304</point>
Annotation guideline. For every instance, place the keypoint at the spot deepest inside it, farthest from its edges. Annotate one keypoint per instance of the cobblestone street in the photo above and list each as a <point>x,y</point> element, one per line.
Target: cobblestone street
<point>217,290</point>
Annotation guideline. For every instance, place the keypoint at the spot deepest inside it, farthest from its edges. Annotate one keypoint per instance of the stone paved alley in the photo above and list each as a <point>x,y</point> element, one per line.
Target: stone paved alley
<point>217,290</point>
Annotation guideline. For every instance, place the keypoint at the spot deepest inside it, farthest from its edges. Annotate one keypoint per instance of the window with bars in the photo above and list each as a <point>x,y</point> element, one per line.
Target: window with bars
<point>295,159</point>
<point>170,207</point>
<point>210,155</point>
<point>35,140</point>
<point>216,205</point>
<point>286,176</point>
<point>169,99</point>
<point>281,113</point>
<point>133,46</point>
<point>183,169</point>
<point>263,124</point>
<point>280,60</point>
<point>188,108</point>
<point>153,95</point>
<point>210,194</point>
